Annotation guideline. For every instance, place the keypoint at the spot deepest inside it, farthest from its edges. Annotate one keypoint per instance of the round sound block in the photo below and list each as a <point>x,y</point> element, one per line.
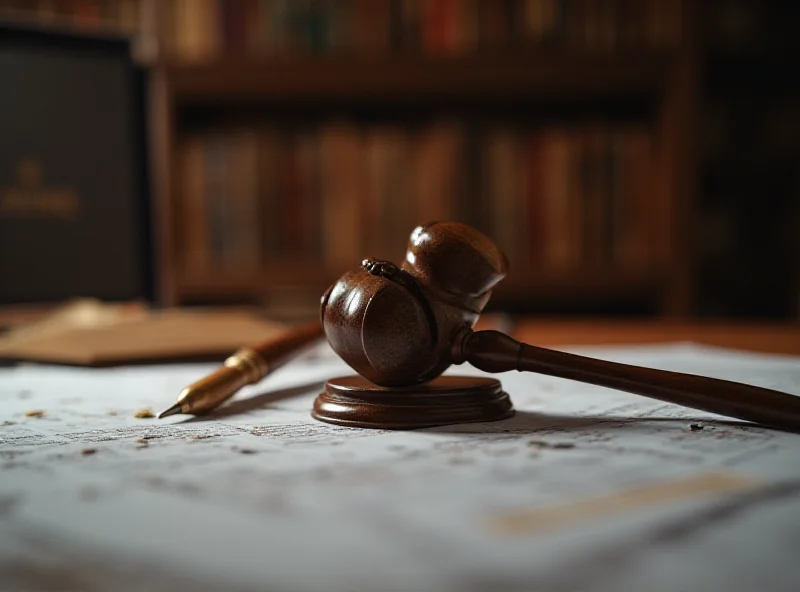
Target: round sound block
<point>356,402</point>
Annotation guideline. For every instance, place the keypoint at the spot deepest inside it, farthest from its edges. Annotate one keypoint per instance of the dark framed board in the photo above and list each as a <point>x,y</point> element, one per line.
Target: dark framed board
<point>74,215</point>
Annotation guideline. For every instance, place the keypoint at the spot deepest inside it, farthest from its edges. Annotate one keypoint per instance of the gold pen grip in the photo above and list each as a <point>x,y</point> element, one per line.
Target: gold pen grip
<point>250,363</point>
<point>242,368</point>
<point>247,366</point>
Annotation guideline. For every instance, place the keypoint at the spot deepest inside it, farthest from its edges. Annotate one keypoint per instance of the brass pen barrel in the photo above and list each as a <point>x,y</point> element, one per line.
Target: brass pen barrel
<point>247,366</point>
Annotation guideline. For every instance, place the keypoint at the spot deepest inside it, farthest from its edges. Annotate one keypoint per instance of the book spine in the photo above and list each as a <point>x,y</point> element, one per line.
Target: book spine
<point>242,223</point>
<point>536,229</point>
<point>506,207</point>
<point>592,198</point>
<point>436,151</point>
<point>216,195</point>
<point>558,182</point>
<point>342,197</point>
<point>269,159</point>
<point>193,208</point>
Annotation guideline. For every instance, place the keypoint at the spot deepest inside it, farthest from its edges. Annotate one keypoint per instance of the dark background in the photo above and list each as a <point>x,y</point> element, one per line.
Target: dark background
<point>75,95</point>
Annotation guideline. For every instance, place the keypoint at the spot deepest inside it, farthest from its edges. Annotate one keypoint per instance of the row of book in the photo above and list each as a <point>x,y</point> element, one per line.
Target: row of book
<point>202,29</point>
<point>119,16</point>
<point>561,198</point>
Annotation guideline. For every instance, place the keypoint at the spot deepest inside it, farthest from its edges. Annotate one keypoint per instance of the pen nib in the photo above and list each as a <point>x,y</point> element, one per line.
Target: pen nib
<point>174,410</point>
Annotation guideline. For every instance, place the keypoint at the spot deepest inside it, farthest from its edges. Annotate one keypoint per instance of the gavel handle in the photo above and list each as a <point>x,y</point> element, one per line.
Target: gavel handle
<point>492,351</point>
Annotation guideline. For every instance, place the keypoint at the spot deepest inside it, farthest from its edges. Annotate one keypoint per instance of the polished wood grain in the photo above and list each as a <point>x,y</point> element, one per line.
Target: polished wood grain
<point>493,351</point>
<point>401,327</point>
<point>396,325</point>
<point>356,402</point>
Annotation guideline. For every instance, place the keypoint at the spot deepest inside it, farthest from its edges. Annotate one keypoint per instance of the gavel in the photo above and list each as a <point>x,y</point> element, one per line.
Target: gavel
<point>401,327</point>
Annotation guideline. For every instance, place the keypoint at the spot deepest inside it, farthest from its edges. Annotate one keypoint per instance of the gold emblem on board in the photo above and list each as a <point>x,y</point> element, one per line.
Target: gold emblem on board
<point>28,197</point>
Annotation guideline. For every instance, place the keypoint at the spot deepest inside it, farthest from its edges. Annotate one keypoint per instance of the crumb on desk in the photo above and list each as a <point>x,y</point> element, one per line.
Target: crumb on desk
<point>35,413</point>
<point>145,413</point>
<point>243,450</point>
<point>553,445</point>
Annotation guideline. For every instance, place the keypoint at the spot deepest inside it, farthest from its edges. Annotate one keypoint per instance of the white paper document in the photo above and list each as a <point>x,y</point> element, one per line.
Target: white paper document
<point>585,488</point>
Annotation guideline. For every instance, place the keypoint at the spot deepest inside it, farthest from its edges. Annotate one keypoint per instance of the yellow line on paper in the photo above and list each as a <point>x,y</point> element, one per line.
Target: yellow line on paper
<point>520,522</point>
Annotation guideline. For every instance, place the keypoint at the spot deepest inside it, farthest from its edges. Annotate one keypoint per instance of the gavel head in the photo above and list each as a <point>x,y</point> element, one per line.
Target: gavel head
<point>396,325</point>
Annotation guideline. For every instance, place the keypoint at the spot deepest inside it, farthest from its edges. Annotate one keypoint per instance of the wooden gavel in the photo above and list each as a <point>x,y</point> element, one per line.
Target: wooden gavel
<point>401,327</point>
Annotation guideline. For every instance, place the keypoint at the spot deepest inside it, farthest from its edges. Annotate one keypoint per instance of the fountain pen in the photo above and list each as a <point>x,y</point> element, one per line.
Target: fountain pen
<point>247,366</point>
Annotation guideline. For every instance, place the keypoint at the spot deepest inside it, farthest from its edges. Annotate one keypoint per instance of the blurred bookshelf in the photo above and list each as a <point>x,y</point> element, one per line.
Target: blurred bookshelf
<point>290,139</point>
<point>339,126</point>
<point>748,202</point>
<point>100,17</point>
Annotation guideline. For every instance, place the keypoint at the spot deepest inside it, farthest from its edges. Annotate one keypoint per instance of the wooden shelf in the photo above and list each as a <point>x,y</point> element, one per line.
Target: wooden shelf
<point>302,275</point>
<point>411,78</point>
<point>580,286</point>
<point>22,20</point>
<point>573,286</point>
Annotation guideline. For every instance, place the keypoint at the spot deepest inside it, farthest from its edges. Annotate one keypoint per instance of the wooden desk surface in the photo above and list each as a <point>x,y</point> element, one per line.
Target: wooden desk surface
<point>781,338</point>
<point>761,337</point>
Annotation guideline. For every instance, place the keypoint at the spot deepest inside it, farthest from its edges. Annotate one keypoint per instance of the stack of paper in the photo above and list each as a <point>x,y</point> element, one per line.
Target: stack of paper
<point>584,489</point>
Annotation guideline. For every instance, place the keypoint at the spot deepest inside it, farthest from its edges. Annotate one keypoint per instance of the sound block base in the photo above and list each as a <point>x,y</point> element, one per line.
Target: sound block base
<point>354,401</point>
